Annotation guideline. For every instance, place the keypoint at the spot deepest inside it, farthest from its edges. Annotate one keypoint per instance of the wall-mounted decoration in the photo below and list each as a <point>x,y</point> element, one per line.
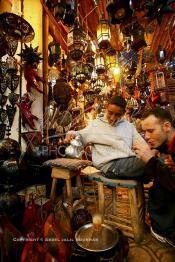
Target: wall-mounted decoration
<point>16,27</point>
<point>10,114</point>
<point>13,98</point>
<point>3,84</point>
<point>3,115</point>
<point>2,131</point>
<point>26,114</point>
<point>31,59</point>
<point>3,100</point>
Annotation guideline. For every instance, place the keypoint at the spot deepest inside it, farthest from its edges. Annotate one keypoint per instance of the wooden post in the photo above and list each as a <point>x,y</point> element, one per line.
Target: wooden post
<point>45,73</point>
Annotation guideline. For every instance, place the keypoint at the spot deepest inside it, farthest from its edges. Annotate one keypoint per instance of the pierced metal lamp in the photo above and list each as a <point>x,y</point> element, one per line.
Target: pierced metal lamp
<point>103,34</point>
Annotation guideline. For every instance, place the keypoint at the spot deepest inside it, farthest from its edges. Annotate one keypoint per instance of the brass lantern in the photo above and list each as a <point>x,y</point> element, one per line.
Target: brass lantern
<point>100,64</point>
<point>80,71</point>
<point>98,85</point>
<point>111,59</point>
<point>76,42</point>
<point>89,54</point>
<point>103,34</point>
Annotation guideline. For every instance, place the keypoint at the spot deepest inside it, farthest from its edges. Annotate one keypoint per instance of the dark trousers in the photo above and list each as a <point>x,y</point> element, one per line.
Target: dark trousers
<point>125,168</point>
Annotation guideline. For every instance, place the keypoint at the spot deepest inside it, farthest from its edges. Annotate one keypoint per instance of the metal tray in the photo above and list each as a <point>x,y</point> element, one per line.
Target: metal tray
<point>96,241</point>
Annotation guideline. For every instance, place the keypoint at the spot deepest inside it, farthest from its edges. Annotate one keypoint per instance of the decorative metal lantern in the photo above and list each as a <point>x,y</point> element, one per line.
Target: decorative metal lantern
<point>138,37</point>
<point>103,34</point>
<point>94,77</point>
<point>118,10</point>
<point>89,54</point>
<point>100,64</point>
<point>161,55</point>
<point>64,10</point>
<point>81,72</point>
<point>111,59</point>
<point>98,85</point>
<point>55,52</point>
<point>76,40</point>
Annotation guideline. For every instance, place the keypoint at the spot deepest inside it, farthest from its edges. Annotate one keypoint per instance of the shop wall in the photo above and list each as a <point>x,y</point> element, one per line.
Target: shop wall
<point>33,14</point>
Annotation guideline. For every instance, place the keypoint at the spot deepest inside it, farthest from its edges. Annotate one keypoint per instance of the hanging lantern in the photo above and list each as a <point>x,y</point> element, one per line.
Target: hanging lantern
<point>103,34</point>
<point>100,64</point>
<point>161,55</point>
<point>89,54</point>
<point>111,59</point>
<point>118,10</point>
<point>98,85</point>
<point>94,77</point>
<point>76,42</point>
<point>55,52</point>
<point>138,37</point>
<point>80,72</point>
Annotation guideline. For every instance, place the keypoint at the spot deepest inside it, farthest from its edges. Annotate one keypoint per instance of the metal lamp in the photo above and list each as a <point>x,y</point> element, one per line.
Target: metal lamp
<point>100,64</point>
<point>103,34</point>
<point>111,59</point>
<point>76,41</point>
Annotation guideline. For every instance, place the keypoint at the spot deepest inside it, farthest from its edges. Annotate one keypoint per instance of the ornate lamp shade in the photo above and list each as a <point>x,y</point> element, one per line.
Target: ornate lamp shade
<point>111,59</point>
<point>100,64</point>
<point>138,37</point>
<point>94,76</point>
<point>55,52</point>
<point>89,54</point>
<point>80,72</point>
<point>118,10</point>
<point>98,85</point>
<point>103,34</point>
<point>76,40</point>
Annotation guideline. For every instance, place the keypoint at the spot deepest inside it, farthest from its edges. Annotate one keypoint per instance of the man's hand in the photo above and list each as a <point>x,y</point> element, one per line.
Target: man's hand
<point>143,151</point>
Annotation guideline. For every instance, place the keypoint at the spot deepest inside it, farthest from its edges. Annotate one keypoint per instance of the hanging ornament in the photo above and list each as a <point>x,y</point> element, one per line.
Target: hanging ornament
<point>103,34</point>
<point>54,53</point>
<point>118,10</point>
<point>31,59</point>
<point>161,55</point>
<point>156,9</point>
<point>76,42</point>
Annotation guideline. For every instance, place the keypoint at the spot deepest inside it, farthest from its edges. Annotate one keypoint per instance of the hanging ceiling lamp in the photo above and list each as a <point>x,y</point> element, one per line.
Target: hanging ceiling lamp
<point>94,76</point>
<point>118,10</point>
<point>98,85</point>
<point>54,53</point>
<point>89,54</point>
<point>103,34</point>
<point>111,59</point>
<point>138,37</point>
<point>80,72</point>
<point>76,42</point>
<point>100,64</point>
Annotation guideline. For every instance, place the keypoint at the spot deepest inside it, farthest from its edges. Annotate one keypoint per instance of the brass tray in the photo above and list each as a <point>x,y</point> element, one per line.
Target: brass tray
<point>96,241</point>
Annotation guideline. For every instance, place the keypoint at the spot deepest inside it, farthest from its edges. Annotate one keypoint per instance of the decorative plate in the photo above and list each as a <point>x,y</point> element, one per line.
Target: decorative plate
<point>16,27</point>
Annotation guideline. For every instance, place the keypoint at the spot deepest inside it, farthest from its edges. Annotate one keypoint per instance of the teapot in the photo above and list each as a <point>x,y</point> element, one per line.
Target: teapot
<point>75,149</point>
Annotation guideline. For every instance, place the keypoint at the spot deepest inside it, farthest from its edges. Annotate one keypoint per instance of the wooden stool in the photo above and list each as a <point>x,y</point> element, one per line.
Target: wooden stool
<point>136,203</point>
<point>65,168</point>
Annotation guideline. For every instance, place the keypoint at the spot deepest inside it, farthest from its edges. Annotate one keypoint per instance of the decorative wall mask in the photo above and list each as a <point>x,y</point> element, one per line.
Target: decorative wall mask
<point>3,99</point>
<point>2,131</point>
<point>3,84</point>
<point>12,81</point>
<point>13,98</point>
<point>3,115</point>
<point>10,114</point>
